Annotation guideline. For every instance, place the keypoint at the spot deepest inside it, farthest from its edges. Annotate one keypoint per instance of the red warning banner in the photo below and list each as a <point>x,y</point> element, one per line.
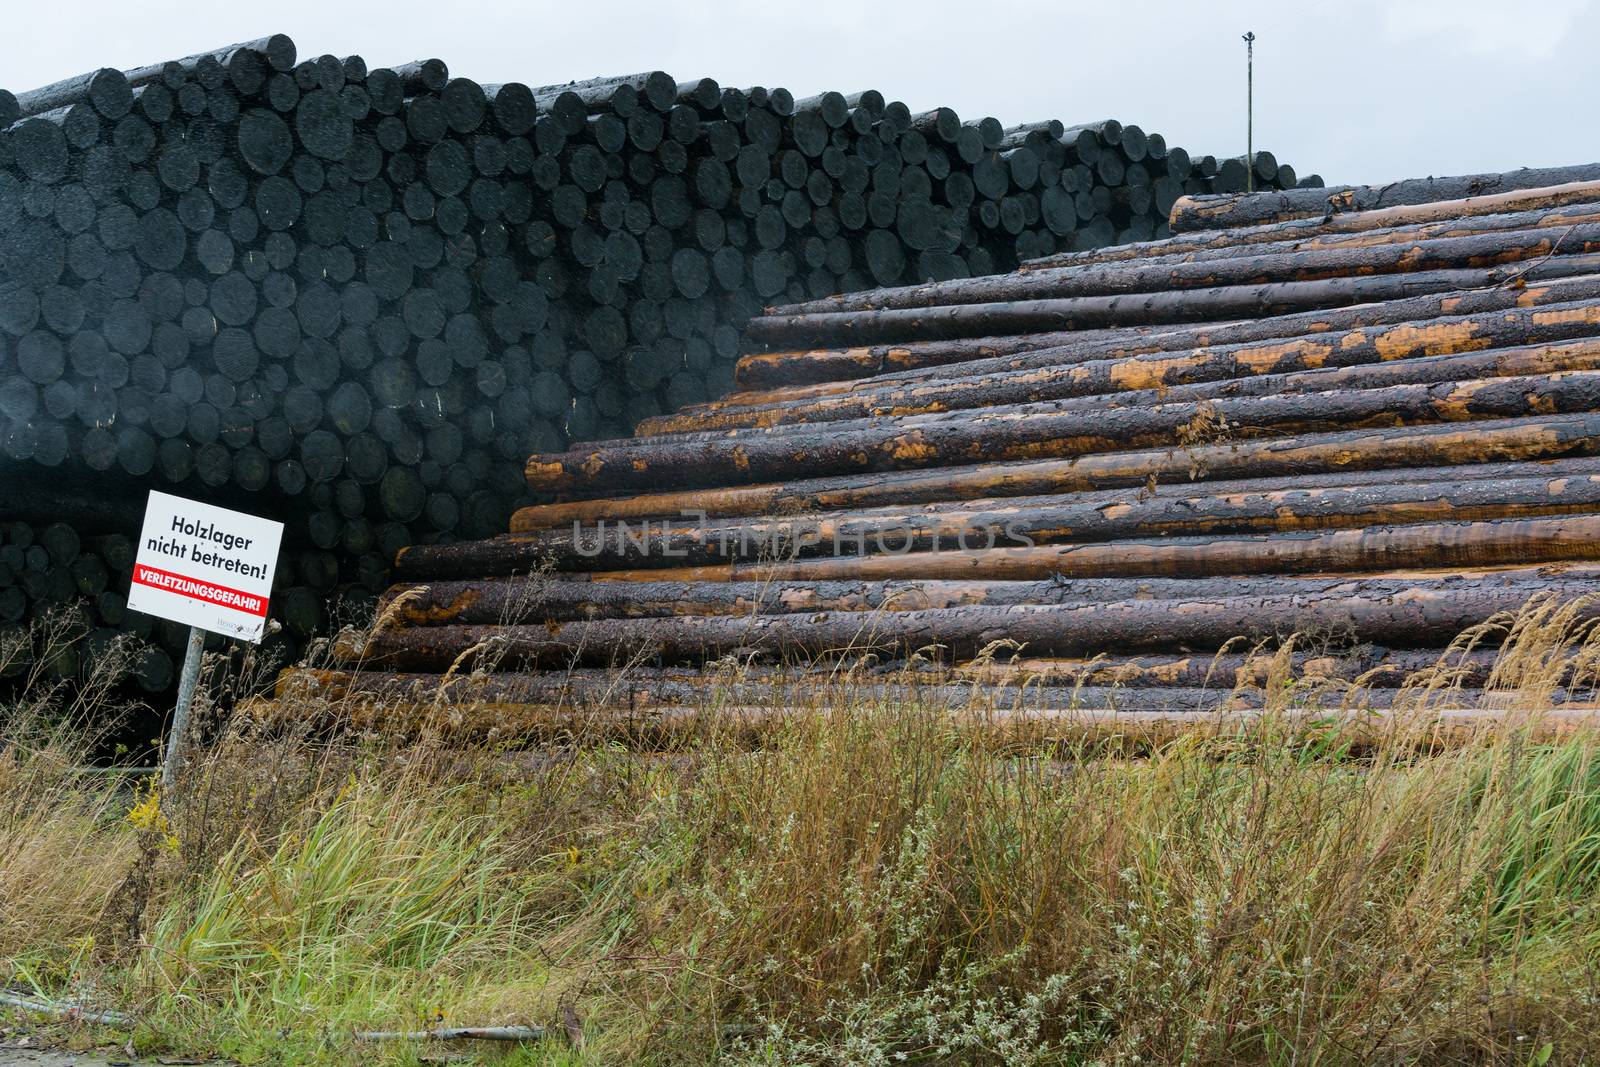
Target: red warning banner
<point>209,592</point>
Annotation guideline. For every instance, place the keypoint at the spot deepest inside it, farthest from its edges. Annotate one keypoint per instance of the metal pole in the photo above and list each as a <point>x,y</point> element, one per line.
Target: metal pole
<point>1250,111</point>
<point>180,714</point>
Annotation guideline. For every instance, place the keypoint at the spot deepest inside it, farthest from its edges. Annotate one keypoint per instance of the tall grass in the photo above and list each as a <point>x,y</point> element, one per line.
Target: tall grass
<point>868,888</point>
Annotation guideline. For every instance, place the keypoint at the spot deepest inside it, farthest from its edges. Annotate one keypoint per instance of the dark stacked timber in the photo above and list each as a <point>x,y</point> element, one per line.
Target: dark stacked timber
<point>356,298</point>
<point>1144,511</point>
<point>65,587</point>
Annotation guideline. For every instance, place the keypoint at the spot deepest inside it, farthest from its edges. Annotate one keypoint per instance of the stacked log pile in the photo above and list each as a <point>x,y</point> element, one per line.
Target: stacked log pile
<point>47,568</point>
<point>356,297</point>
<point>1374,431</point>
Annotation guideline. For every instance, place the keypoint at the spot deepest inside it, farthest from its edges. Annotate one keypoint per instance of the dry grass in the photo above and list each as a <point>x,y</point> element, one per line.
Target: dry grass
<point>867,888</point>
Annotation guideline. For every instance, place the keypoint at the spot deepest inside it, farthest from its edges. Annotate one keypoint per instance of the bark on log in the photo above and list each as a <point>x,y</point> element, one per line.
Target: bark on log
<point>1497,542</point>
<point>819,369</point>
<point>1484,442</point>
<point>1071,732</point>
<point>1420,618</point>
<point>1142,309</point>
<point>1576,236</point>
<point>1218,212</point>
<point>1360,224</point>
<point>106,90</point>
<point>776,376</point>
<point>520,601</point>
<point>417,692</point>
<point>1336,361</point>
<point>1036,431</point>
<point>1344,499</point>
<point>1372,668</point>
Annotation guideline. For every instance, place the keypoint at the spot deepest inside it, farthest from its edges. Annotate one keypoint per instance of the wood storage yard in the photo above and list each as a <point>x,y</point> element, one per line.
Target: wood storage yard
<point>356,298</point>
<point>1095,493</point>
<point>771,578</point>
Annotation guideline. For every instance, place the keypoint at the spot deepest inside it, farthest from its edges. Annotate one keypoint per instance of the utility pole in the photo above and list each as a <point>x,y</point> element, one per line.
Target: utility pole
<point>1250,112</point>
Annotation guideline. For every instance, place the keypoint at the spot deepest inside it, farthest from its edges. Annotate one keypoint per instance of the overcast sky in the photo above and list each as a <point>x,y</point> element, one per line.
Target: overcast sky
<point>1356,90</point>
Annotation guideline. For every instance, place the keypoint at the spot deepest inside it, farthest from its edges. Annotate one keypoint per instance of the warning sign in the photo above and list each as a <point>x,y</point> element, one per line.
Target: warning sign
<point>205,566</point>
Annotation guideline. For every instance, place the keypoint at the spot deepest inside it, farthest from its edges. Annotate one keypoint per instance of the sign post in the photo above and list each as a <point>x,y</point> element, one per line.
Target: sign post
<point>211,569</point>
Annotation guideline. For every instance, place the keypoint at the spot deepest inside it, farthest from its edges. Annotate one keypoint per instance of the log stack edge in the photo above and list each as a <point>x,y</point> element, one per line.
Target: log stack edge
<point>1116,480</point>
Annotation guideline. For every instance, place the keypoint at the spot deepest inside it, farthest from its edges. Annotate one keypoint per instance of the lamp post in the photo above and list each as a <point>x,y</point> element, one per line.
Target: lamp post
<point>1249,112</point>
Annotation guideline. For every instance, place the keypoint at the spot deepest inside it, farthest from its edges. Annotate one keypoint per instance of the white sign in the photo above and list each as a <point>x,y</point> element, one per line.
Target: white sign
<point>205,566</point>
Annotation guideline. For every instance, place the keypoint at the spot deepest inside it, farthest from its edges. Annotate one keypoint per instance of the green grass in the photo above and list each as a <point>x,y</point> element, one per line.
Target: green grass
<point>868,887</point>
<point>876,887</point>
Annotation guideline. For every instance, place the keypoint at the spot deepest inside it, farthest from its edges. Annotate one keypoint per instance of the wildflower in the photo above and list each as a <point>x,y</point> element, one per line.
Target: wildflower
<point>146,816</point>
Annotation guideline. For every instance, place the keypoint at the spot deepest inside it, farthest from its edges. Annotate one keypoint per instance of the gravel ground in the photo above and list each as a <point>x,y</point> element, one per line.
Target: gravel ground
<point>13,1056</point>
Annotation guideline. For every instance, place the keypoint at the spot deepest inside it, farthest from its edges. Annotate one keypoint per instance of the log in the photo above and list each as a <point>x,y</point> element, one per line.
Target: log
<point>1072,732</point>
<point>1369,667</point>
<point>1576,236</point>
<point>656,88</point>
<point>789,375</point>
<point>537,599</point>
<point>1143,309</point>
<point>1424,545</point>
<point>510,703</point>
<point>1272,242</point>
<point>819,368</point>
<point>106,90</point>
<point>516,694</point>
<point>691,530</point>
<point>1444,213</point>
<point>512,602</point>
<point>1383,449</point>
<point>1037,431</point>
<point>1373,667</point>
<point>1206,213</point>
<point>1339,501</point>
<point>1342,359</point>
<point>276,54</point>
<point>1421,618</point>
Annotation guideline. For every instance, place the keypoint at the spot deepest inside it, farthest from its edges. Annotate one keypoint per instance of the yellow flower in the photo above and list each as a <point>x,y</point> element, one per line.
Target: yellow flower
<point>146,816</point>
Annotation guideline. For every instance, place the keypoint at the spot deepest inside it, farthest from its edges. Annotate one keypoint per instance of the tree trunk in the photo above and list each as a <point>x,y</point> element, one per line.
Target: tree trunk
<point>1576,236</point>
<point>1141,309</point>
<point>1361,226</point>
<point>1418,618</point>
<point>1073,730</point>
<point>1324,362</point>
<point>1340,500</point>
<point>1444,544</point>
<point>818,370</point>
<point>1381,449</point>
<point>537,600</point>
<point>1219,212</point>
<point>1375,668</point>
<point>1036,431</point>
